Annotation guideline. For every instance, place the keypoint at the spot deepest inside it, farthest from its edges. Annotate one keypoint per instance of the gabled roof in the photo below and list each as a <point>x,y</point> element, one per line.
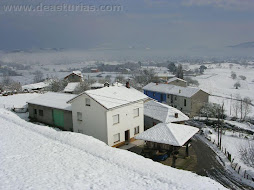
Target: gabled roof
<point>35,86</point>
<point>78,73</point>
<point>163,112</point>
<point>172,89</point>
<point>114,96</point>
<point>71,86</point>
<point>53,100</point>
<point>172,134</point>
<point>175,78</point>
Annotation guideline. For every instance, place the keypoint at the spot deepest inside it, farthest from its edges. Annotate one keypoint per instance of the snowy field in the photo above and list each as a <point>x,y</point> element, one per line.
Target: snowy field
<point>16,100</point>
<point>38,157</point>
<point>217,81</point>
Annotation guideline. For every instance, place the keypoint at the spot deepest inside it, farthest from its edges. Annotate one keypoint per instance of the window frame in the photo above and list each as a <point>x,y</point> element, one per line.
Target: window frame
<point>136,130</point>
<point>78,116</point>
<point>134,112</point>
<point>118,134</point>
<point>89,100</point>
<point>118,116</point>
<point>35,111</point>
<point>41,113</point>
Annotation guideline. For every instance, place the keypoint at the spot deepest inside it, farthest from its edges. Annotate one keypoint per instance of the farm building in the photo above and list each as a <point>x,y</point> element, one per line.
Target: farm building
<point>75,76</point>
<point>156,112</point>
<point>71,86</point>
<point>177,81</point>
<point>189,100</point>
<point>52,109</point>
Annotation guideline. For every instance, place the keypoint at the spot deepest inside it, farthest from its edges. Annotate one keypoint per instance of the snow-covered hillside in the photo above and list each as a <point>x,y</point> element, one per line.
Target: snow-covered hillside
<point>38,157</point>
<point>217,81</point>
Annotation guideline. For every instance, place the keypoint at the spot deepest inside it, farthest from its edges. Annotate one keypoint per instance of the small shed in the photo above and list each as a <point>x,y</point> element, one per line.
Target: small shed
<point>75,76</point>
<point>164,136</point>
<point>71,86</point>
<point>51,108</point>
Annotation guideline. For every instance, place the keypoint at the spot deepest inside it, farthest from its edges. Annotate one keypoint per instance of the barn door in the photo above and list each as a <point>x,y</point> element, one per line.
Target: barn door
<point>58,117</point>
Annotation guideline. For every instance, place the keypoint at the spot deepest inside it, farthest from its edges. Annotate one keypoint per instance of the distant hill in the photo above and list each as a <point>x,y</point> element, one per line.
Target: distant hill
<point>243,45</point>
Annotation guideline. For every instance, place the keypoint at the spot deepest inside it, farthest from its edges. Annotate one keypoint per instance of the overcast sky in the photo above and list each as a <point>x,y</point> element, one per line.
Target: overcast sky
<point>154,24</point>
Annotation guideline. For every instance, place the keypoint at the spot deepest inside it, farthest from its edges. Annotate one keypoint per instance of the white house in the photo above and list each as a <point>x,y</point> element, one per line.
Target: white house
<point>112,114</point>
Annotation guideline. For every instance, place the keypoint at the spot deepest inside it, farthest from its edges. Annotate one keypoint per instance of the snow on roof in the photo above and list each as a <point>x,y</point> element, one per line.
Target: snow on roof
<point>175,78</point>
<point>114,96</point>
<point>53,100</point>
<point>71,86</point>
<point>77,73</point>
<point>171,133</point>
<point>164,74</point>
<point>44,158</point>
<point>163,112</point>
<point>171,89</point>
<point>35,86</point>
<point>97,85</point>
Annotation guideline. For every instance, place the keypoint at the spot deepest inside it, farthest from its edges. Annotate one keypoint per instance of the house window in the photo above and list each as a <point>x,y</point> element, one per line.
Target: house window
<point>154,94</point>
<point>79,116</point>
<point>115,119</point>
<point>175,97</point>
<point>35,111</point>
<point>171,98</point>
<point>136,130</point>
<point>168,96</point>
<point>40,112</point>
<point>88,102</point>
<point>117,137</point>
<point>136,112</point>
<point>184,102</point>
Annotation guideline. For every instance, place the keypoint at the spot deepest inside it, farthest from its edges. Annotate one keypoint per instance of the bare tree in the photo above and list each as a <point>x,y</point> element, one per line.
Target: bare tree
<point>84,85</point>
<point>237,85</point>
<point>57,85</point>
<point>237,106</point>
<point>233,75</point>
<point>179,71</point>
<point>6,80</point>
<point>246,107</point>
<point>242,77</point>
<point>247,154</point>
<point>38,76</point>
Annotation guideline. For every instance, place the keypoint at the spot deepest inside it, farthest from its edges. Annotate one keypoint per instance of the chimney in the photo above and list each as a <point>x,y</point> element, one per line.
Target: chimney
<point>127,84</point>
<point>176,115</point>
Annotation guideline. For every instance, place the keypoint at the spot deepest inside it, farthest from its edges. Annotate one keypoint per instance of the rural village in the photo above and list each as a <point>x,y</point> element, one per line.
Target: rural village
<point>126,95</point>
<point>166,118</point>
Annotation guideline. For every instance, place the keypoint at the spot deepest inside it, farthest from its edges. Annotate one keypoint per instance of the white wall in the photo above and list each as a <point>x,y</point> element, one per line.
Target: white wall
<point>127,121</point>
<point>94,118</point>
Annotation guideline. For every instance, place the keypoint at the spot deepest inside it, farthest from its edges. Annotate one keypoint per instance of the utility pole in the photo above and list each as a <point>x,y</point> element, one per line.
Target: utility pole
<point>241,109</point>
<point>230,105</point>
<point>218,127</point>
<point>222,111</point>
